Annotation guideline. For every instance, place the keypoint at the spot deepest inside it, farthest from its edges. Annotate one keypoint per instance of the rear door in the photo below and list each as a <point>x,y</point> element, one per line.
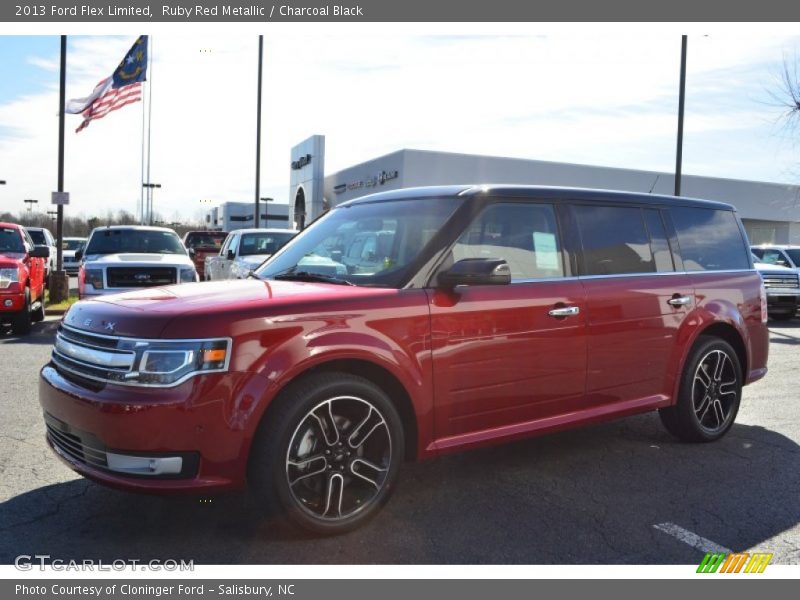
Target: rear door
<point>502,357</point>
<point>637,299</point>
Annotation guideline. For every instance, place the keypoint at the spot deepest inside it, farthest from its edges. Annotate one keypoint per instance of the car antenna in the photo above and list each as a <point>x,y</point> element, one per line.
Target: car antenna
<point>652,187</point>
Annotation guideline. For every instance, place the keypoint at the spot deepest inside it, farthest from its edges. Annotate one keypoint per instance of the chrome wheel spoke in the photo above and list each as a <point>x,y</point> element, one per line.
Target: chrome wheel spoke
<point>363,475</point>
<point>702,376</point>
<point>727,387</point>
<point>719,413</point>
<point>334,493</point>
<point>327,424</point>
<point>722,358</point>
<point>301,464</point>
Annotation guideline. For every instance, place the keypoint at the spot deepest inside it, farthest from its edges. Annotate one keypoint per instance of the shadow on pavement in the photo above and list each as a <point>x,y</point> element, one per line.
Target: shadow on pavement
<point>584,496</point>
<point>41,333</point>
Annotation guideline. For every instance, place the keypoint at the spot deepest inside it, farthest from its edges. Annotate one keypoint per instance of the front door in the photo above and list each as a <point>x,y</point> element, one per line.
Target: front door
<point>507,355</point>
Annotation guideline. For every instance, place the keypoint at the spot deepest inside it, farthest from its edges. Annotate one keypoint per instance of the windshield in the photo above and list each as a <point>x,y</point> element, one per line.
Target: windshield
<point>118,241</point>
<point>11,241</point>
<point>206,239</point>
<point>72,244</point>
<point>794,254</point>
<point>364,244</point>
<point>37,235</point>
<point>264,243</point>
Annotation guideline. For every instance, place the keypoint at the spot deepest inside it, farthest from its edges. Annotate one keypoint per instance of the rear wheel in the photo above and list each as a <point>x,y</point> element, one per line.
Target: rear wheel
<point>22,322</point>
<point>710,393</point>
<point>328,454</point>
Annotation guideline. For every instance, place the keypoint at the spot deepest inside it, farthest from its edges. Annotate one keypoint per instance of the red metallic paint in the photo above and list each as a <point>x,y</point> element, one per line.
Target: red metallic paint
<point>482,365</point>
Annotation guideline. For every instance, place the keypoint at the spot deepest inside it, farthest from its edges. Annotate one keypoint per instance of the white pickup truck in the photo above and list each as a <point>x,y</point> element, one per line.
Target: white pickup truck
<point>783,289</point>
<point>126,257</point>
<point>243,251</point>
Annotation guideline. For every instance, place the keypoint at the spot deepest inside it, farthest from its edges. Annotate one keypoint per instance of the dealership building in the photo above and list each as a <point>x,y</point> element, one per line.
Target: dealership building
<point>770,211</point>
<point>240,215</point>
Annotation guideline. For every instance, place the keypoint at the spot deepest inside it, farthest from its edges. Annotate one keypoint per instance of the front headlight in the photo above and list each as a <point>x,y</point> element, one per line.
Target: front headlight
<point>188,275</point>
<point>167,362</point>
<point>95,277</point>
<point>8,276</point>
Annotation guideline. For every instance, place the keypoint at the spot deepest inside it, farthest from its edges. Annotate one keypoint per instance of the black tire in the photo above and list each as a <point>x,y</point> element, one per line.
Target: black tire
<point>782,317</point>
<point>328,477</point>
<point>21,324</point>
<point>38,314</point>
<point>707,403</point>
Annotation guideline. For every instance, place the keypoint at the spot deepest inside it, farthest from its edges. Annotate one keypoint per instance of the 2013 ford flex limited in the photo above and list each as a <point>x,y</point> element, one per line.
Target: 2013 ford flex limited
<point>408,324</point>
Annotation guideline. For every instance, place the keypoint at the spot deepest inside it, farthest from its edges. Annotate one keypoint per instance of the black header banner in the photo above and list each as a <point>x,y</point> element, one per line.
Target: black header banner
<point>254,11</point>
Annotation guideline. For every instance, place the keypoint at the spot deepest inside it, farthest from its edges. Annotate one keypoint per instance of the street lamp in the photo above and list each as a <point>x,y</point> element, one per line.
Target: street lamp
<point>30,202</point>
<point>150,187</point>
<point>2,181</point>
<point>266,202</point>
<point>53,214</point>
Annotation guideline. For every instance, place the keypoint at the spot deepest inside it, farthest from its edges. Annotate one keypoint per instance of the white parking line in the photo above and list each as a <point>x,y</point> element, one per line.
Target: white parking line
<point>692,539</point>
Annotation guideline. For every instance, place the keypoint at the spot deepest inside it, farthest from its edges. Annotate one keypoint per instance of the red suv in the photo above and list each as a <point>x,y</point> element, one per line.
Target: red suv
<point>22,278</point>
<point>404,325</point>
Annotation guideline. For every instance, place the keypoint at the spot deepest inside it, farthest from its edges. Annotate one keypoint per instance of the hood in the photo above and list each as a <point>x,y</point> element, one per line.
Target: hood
<point>254,259</point>
<point>120,260</point>
<point>147,312</point>
<point>10,260</point>
<point>767,268</point>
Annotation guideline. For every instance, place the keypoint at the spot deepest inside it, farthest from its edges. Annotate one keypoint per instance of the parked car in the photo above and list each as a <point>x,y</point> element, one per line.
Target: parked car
<point>243,251</point>
<point>42,237</point>
<point>69,248</point>
<point>783,289</point>
<point>778,254</point>
<point>22,273</point>
<point>202,244</point>
<point>125,257</point>
<point>492,313</point>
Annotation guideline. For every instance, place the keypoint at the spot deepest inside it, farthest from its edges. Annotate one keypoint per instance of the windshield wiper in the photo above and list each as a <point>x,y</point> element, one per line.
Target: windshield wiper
<point>291,274</point>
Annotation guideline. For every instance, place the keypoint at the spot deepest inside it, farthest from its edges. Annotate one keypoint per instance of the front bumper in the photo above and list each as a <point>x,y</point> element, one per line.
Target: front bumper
<point>106,432</point>
<point>783,300</point>
<point>11,302</point>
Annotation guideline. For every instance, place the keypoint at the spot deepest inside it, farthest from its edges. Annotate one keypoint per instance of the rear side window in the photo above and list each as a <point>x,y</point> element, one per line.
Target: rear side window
<point>615,240</point>
<point>710,240</point>
<point>524,235</point>
<point>658,240</point>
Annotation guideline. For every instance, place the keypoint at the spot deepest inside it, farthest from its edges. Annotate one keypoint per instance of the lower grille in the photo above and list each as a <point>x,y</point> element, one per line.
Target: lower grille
<point>73,446</point>
<point>132,277</point>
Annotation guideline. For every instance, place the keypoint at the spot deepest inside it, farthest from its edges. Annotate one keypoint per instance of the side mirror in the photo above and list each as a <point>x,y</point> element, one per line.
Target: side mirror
<point>781,263</point>
<point>231,255</point>
<point>78,255</point>
<point>191,252</point>
<point>476,271</point>
<point>40,252</point>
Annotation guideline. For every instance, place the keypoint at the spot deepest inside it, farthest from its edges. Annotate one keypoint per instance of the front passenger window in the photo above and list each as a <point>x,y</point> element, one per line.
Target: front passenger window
<point>524,235</point>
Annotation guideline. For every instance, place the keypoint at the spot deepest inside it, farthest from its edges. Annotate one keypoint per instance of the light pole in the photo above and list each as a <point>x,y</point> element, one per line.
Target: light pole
<point>150,187</point>
<point>681,104</point>
<point>266,202</point>
<point>53,214</point>
<point>258,124</point>
<point>2,181</point>
<point>30,202</point>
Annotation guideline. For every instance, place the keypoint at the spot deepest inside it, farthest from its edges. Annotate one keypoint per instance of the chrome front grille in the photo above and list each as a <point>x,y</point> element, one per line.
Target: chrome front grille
<point>92,356</point>
<point>783,281</point>
<point>135,277</point>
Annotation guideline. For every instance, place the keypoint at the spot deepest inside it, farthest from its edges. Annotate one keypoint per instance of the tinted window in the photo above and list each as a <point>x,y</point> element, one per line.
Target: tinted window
<point>614,240</point>
<point>116,241</point>
<point>710,240</point>
<point>525,235</point>
<point>205,239</point>
<point>38,237</point>
<point>658,240</point>
<point>263,243</point>
<point>10,241</point>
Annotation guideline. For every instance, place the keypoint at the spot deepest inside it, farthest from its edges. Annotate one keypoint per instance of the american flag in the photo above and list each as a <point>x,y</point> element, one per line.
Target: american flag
<point>122,88</point>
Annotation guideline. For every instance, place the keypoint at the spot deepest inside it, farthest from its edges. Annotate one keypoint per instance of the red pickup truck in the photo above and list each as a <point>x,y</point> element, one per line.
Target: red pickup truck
<point>201,244</point>
<point>22,276</point>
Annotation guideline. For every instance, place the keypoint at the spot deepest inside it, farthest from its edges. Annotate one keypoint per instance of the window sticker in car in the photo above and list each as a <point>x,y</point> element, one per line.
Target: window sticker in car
<point>544,245</point>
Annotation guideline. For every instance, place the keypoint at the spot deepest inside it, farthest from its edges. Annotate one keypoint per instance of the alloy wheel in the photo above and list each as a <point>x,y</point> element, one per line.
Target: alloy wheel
<point>714,390</point>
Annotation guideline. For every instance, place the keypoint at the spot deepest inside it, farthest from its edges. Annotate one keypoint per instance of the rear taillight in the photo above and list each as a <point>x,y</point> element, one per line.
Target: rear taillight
<point>764,314</point>
<point>82,282</point>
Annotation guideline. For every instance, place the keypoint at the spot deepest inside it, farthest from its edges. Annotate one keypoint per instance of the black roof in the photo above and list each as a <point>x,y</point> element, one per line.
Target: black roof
<point>538,192</point>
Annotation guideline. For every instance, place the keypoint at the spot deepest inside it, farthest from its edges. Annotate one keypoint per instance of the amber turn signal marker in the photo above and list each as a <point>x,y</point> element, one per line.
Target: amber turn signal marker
<point>214,355</point>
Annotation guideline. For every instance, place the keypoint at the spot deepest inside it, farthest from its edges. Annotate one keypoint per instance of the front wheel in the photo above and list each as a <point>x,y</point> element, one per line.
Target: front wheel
<point>710,393</point>
<point>22,323</point>
<point>327,455</point>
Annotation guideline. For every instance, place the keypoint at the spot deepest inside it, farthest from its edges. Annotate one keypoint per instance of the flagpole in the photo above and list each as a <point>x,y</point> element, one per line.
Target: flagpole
<point>149,125</point>
<point>140,208</point>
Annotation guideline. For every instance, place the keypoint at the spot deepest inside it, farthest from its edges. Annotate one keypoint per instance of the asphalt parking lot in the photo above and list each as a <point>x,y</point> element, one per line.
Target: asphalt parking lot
<point>593,495</point>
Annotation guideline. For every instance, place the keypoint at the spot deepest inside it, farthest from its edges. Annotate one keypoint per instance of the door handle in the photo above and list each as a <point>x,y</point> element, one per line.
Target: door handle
<point>566,311</point>
<point>677,300</point>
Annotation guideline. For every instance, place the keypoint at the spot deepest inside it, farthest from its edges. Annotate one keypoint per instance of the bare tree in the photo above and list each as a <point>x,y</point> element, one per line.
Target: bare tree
<point>788,96</point>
